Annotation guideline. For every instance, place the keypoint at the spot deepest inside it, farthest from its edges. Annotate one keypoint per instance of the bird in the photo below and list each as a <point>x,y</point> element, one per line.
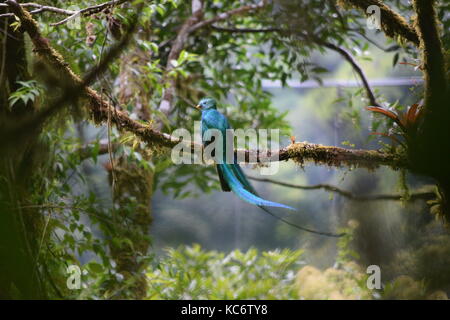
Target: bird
<point>231,176</point>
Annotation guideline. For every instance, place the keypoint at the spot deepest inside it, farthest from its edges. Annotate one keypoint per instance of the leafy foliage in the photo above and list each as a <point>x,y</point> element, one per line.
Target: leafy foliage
<point>192,273</point>
<point>28,92</point>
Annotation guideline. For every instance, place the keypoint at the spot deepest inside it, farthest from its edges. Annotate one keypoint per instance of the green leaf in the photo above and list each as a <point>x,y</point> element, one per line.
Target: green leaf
<point>161,10</point>
<point>395,59</point>
<point>95,267</point>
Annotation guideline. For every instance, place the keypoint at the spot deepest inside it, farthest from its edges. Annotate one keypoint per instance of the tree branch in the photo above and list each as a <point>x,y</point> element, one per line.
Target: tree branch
<point>391,48</point>
<point>244,30</point>
<point>299,152</point>
<point>394,197</point>
<point>71,13</point>
<point>392,23</point>
<point>228,14</point>
<point>100,108</point>
<point>39,8</point>
<point>347,56</point>
<point>338,157</point>
<point>91,10</point>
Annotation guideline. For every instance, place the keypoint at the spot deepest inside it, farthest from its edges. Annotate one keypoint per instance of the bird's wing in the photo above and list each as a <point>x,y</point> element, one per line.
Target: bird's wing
<point>215,120</point>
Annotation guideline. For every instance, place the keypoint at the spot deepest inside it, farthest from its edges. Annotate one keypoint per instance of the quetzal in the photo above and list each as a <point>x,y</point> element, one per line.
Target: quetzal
<point>231,176</point>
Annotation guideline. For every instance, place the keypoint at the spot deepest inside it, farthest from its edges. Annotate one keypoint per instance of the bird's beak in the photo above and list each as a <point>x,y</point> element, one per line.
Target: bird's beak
<point>198,107</point>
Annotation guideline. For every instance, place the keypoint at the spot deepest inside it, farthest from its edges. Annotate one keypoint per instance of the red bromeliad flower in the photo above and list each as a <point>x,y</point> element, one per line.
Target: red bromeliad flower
<point>406,121</point>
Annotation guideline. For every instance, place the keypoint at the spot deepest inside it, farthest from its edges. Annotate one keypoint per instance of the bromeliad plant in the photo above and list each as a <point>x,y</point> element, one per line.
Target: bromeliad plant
<point>407,123</point>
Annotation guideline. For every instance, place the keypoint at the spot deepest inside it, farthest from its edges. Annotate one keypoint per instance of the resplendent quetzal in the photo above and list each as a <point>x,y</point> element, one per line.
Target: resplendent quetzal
<point>231,176</point>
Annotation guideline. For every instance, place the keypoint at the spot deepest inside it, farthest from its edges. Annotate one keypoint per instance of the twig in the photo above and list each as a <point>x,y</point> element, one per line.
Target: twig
<point>110,152</point>
<point>39,8</point>
<point>225,15</point>
<point>347,56</point>
<point>376,44</point>
<point>166,104</point>
<point>42,240</point>
<point>90,10</point>
<point>70,13</point>
<point>348,194</point>
<point>245,30</point>
<point>104,218</point>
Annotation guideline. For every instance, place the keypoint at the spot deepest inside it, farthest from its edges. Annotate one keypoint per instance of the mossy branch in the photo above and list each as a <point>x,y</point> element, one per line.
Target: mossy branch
<point>338,157</point>
<point>392,23</point>
<point>100,108</point>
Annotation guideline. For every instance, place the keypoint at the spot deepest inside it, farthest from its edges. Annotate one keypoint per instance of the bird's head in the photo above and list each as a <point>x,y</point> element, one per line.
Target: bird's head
<point>206,104</point>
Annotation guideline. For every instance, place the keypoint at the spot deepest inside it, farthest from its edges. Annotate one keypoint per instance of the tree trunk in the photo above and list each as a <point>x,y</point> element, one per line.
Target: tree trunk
<point>20,228</point>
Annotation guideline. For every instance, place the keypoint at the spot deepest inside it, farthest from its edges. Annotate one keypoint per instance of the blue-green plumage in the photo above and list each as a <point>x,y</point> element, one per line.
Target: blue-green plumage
<point>230,174</point>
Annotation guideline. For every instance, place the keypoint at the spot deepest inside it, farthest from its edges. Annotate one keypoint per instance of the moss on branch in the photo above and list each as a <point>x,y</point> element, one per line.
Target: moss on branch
<point>392,23</point>
<point>338,157</point>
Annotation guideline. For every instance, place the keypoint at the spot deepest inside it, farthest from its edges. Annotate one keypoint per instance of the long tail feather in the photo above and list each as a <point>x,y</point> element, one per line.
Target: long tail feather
<point>242,193</point>
<point>243,179</point>
<point>223,182</point>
